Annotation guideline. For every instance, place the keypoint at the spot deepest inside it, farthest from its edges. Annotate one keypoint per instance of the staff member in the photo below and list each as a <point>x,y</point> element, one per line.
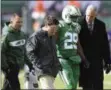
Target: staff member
<point>94,41</point>
<point>13,52</point>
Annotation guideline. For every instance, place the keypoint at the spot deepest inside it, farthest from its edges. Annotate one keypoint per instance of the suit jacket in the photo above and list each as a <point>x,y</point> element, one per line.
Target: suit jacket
<point>95,47</point>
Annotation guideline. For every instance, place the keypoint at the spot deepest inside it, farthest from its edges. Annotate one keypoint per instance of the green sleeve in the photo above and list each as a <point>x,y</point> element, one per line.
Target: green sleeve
<point>4,49</point>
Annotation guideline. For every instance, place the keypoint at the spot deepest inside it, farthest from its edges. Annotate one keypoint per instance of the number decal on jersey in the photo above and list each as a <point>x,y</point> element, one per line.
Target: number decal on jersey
<point>72,38</point>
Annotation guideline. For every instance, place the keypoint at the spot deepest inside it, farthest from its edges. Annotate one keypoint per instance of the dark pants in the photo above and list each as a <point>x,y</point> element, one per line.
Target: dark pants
<point>93,86</point>
<point>92,78</point>
<point>11,81</point>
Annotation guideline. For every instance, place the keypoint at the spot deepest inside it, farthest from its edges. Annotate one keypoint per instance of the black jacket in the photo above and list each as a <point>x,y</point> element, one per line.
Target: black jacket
<point>41,50</point>
<point>96,49</point>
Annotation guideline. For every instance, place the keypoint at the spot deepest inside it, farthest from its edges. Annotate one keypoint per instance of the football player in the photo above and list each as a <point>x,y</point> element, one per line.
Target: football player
<point>69,49</point>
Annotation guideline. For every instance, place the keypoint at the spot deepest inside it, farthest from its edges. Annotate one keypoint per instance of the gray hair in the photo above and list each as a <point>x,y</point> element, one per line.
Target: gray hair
<point>92,8</point>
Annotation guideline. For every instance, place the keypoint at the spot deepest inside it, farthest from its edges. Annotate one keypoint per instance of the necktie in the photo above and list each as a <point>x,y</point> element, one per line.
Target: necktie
<point>90,26</point>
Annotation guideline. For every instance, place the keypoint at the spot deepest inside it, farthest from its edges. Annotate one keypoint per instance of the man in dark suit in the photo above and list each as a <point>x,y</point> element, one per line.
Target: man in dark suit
<point>94,41</point>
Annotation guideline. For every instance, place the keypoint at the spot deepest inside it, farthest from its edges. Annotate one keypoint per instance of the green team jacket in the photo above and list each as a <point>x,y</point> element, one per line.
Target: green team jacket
<point>13,48</point>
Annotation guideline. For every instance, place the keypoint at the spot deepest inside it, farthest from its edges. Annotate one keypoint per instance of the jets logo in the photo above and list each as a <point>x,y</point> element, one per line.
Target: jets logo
<point>17,43</point>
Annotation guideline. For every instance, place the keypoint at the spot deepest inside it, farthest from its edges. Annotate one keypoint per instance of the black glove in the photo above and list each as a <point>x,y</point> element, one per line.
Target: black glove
<point>107,68</point>
<point>86,63</point>
<point>31,67</point>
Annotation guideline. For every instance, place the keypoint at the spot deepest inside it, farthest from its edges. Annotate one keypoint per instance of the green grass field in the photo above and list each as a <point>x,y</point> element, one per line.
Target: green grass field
<point>59,84</point>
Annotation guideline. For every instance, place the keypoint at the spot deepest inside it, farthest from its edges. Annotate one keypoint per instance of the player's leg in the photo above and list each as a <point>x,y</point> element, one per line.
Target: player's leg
<point>67,73</point>
<point>76,70</point>
<point>76,74</point>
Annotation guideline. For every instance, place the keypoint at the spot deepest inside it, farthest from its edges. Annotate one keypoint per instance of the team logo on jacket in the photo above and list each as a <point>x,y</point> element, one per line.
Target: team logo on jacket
<point>17,42</point>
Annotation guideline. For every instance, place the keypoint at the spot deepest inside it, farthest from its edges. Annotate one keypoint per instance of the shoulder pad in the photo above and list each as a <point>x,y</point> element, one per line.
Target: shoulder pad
<point>61,23</point>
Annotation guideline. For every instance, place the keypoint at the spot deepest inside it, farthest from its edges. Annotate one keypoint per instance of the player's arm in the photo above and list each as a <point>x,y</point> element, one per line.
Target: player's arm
<point>80,52</point>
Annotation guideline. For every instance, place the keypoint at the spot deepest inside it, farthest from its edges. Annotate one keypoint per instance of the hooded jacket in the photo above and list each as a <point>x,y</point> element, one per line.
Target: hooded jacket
<point>13,48</point>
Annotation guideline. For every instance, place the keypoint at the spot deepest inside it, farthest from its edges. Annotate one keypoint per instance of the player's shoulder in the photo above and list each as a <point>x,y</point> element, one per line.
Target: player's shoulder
<point>61,23</point>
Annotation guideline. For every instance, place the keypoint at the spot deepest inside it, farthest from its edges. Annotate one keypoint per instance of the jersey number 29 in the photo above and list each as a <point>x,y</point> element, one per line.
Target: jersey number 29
<point>73,39</point>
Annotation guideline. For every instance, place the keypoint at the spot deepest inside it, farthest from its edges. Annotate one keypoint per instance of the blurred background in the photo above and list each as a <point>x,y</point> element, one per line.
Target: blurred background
<point>33,13</point>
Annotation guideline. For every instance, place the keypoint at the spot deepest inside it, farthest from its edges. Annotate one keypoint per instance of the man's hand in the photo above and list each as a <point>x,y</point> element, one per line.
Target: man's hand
<point>86,63</point>
<point>107,68</point>
<point>31,67</point>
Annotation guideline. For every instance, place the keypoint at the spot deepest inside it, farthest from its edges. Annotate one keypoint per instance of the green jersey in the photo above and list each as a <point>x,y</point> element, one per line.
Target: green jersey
<point>68,38</point>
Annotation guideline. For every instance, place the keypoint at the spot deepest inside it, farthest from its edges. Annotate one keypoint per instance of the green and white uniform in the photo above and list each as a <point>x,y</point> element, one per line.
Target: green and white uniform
<point>67,51</point>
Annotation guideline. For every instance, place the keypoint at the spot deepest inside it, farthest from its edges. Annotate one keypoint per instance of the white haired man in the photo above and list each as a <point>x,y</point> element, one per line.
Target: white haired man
<point>93,38</point>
